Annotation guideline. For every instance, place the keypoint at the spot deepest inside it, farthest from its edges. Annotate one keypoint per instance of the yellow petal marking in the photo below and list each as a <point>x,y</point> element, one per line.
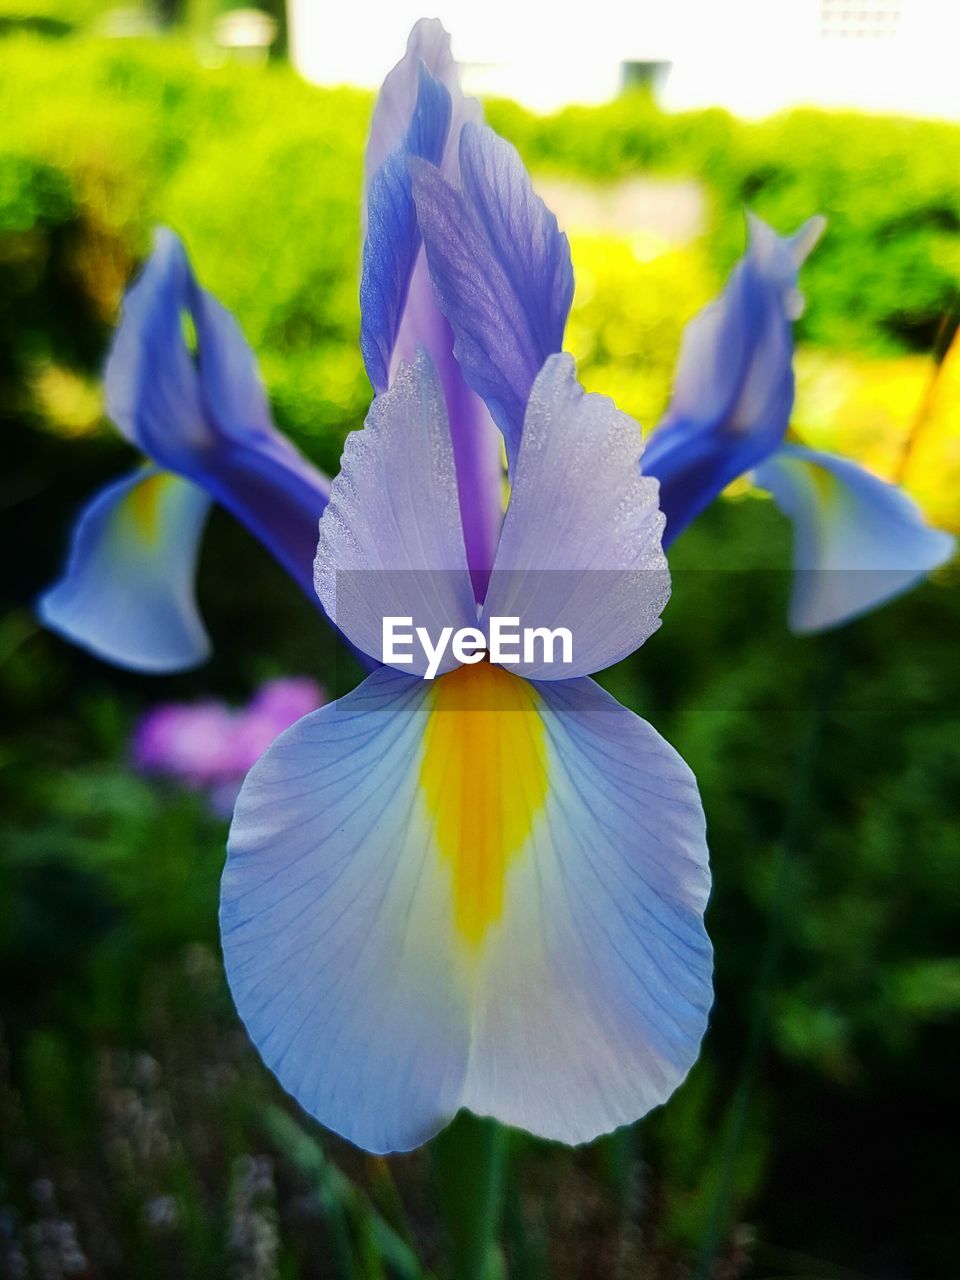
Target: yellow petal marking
<point>484,779</point>
<point>144,504</point>
<point>824,484</point>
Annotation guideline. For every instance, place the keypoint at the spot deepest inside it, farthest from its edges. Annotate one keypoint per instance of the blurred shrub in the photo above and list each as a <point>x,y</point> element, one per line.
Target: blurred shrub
<point>50,18</point>
<point>627,318</point>
<point>99,140</point>
<point>260,173</point>
<point>889,267</point>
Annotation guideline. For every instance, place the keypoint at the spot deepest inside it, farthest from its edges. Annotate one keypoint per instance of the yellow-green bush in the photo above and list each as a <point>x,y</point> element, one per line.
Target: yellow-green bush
<point>627,318</point>
<point>889,266</point>
<point>260,173</point>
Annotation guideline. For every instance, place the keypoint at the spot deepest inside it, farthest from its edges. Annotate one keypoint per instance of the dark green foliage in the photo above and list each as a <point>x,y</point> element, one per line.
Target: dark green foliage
<point>108,890</point>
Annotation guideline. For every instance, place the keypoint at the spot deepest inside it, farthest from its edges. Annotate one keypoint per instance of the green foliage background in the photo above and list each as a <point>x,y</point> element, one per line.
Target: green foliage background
<point>828,767</point>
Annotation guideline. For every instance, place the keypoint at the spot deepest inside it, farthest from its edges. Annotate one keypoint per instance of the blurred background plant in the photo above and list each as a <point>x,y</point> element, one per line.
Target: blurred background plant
<point>138,1132</point>
<point>208,746</point>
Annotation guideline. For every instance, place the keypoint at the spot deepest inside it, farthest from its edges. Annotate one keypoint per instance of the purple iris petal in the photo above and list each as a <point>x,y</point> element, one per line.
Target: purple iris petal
<point>428,46</point>
<point>232,394</point>
<point>204,415</point>
<point>580,546</point>
<point>151,380</point>
<point>279,498</point>
<point>501,269</point>
<point>393,238</point>
<point>476,440</point>
<point>734,385</point>
<point>391,543</point>
<point>418,322</point>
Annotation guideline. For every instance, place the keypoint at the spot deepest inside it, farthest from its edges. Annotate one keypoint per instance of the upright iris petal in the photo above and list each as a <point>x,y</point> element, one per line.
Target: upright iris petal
<point>734,385</point>
<point>481,890</point>
<point>203,413</point>
<point>428,46</point>
<point>175,394</point>
<point>501,269</point>
<point>400,310</point>
<point>393,237</point>
<point>580,545</point>
<point>391,542</point>
<point>858,541</point>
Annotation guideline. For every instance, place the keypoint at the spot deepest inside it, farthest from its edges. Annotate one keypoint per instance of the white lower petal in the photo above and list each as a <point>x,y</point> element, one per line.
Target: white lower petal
<point>477,892</point>
<point>127,594</point>
<point>858,540</point>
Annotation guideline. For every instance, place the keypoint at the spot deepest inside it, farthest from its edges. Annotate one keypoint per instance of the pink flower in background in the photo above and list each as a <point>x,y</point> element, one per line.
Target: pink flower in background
<point>192,742</point>
<point>276,705</point>
<point>209,746</point>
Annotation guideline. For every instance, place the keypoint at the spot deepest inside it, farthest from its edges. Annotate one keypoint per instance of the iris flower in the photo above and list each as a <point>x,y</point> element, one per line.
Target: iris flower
<point>485,890</point>
<point>858,540</point>
<point>182,386</point>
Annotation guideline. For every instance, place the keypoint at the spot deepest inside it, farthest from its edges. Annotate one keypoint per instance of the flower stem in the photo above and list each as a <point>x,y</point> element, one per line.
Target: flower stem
<point>469,1163</point>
